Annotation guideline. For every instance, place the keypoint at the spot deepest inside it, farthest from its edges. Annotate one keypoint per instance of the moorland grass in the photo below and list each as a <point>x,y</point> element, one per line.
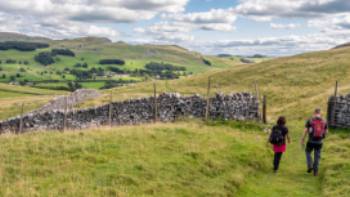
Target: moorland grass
<point>182,159</point>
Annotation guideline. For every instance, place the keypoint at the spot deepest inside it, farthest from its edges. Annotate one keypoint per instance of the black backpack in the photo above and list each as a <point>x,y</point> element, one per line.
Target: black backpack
<point>276,136</point>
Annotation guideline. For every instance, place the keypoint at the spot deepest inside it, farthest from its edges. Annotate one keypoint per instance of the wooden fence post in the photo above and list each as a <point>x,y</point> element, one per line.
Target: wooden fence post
<point>110,109</point>
<point>65,113</point>
<point>155,102</point>
<point>336,89</point>
<point>256,90</point>
<point>21,119</point>
<point>258,98</point>
<point>333,119</point>
<point>208,100</point>
<point>264,110</point>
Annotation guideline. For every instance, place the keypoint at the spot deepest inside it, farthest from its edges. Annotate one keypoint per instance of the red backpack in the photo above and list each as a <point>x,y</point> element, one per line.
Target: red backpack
<point>318,128</point>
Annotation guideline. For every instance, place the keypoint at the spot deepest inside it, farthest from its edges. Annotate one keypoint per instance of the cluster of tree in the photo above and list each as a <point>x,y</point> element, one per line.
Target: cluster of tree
<point>63,52</point>
<point>81,65</point>
<point>162,70</point>
<point>112,61</point>
<point>246,60</point>
<point>73,86</point>
<point>206,62</point>
<point>87,74</point>
<point>44,58</point>
<point>47,58</point>
<point>116,83</point>
<point>153,69</point>
<point>117,70</point>
<point>22,46</point>
<point>12,61</point>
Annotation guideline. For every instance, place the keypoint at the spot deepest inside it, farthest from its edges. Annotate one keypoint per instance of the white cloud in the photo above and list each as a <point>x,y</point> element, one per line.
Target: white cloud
<point>70,18</point>
<point>167,32</point>
<point>94,10</point>
<point>277,46</point>
<point>284,26</point>
<point>291,8</point>
<point>213,20</point>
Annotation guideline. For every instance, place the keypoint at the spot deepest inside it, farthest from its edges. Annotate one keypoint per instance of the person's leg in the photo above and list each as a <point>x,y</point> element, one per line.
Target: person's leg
<point>317,157</point>
<point>276,161</point>
<point>309,161</point>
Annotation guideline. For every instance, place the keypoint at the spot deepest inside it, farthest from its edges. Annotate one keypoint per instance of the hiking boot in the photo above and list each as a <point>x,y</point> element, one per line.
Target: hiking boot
<point>309,170</point>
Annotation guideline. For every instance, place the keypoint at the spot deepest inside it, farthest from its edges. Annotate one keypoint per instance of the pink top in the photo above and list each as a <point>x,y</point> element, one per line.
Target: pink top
<point>279,148</point>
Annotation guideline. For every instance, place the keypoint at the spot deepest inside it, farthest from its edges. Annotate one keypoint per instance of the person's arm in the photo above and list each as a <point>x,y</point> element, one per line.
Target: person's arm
<point>326,131</point>
<point>304,136</point>
<point>288,138</point>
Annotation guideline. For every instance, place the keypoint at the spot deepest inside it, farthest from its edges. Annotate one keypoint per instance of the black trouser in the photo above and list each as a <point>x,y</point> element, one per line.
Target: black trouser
<point>276,160</point>
<point>316,147</point>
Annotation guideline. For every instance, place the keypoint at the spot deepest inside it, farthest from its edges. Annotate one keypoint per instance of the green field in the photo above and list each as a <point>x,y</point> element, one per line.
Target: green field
<point>91,51</point>
<point>12,97</point>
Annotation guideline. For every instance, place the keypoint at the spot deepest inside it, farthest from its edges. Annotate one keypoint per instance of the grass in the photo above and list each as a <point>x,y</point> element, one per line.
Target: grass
<point>335,181</point>
<point>187,159</point>
<point>12,97</point>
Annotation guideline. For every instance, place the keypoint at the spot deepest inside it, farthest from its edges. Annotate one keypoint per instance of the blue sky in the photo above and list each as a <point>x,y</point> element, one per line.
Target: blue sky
<point>245,27</point>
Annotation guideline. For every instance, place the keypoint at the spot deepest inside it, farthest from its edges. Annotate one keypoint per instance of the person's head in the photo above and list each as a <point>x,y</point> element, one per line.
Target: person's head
<point>317,112</point>
<point>281,121</point>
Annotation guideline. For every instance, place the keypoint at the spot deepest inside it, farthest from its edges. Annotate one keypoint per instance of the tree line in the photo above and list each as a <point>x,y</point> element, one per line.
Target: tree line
<point>22,46</point>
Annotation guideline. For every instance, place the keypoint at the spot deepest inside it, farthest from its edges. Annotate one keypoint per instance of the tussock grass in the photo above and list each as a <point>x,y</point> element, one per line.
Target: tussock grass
<point>336,180</point>
<point>187,159</point>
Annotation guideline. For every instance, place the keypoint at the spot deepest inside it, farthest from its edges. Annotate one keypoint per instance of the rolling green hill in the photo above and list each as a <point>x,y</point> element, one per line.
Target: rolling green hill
<point>20,66</point>
<point>191,158</point>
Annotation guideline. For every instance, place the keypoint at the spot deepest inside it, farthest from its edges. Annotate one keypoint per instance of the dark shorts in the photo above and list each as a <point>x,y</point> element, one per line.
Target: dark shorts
<point>310,146</point>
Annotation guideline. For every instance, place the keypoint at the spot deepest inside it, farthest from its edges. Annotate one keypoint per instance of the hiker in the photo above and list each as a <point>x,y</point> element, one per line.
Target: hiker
<point>277,138</point>
<point>316,128</point>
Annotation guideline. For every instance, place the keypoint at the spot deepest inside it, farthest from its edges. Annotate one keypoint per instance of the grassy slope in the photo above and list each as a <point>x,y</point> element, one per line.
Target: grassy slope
<point>12,97</point>
<point>294,87</point>
<point>188,159</point>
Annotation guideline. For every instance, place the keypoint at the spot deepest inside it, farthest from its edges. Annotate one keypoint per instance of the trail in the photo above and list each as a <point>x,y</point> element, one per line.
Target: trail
<point>291,180</point>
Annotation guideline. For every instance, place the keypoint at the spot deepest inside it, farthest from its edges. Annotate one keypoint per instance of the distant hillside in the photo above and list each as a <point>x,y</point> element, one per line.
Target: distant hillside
<point>342,45</point>
<point>7,36</point>
<point>22,62</point>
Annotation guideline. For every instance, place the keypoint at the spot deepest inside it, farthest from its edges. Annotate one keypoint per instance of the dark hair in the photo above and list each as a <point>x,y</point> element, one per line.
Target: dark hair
<point>281,121</point>
<point>317,111</point>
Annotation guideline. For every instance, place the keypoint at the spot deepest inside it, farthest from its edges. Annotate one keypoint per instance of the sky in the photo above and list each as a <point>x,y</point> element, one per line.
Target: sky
<point>240,27</point>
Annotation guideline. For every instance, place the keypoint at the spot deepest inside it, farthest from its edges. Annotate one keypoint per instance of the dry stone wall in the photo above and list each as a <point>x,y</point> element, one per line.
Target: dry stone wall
<point>339,111</point>
<point>239,106</point>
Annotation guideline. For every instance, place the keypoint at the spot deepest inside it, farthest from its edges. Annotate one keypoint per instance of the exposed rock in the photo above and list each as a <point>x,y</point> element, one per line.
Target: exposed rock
<point>73,99</point>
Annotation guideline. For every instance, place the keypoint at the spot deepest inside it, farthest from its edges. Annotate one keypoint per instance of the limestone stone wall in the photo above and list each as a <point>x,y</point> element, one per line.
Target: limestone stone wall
<point>339,111</point>
<point>239,106</point>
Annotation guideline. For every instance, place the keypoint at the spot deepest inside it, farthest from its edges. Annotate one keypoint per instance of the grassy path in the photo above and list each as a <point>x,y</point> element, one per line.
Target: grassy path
<point>291,180</point>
